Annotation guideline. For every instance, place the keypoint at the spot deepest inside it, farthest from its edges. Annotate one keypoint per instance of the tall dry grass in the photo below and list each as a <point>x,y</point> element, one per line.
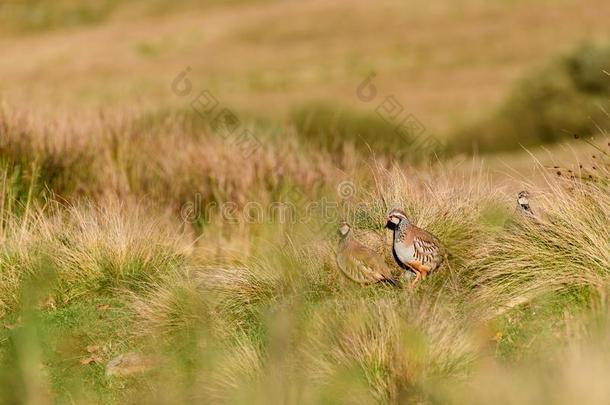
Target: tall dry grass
<point>173,162</point>
<point>385,343</point>
<point>380,344</point>
<point>272,318</point>
<point>566,247</point>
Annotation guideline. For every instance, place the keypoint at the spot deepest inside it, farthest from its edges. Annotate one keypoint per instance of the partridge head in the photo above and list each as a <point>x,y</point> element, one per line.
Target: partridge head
<point>397,217</point>
<point>523,203</point>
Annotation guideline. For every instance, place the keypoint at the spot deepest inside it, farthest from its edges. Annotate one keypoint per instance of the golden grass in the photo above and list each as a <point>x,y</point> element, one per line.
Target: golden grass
<point>261,304</point>
<point>173,162</point>
<point>566,247</point>
<point>283,323</point>
<point>96,251</point>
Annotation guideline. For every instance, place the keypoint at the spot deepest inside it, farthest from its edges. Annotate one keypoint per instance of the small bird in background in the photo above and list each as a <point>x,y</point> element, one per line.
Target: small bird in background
<point>359,263</point>
<point>523,203</point>
<point>414,249</point>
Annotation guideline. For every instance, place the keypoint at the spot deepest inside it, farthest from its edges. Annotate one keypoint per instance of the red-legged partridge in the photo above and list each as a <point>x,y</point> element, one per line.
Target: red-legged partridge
<point>523,204</point>
<point>359,263</point>
<point>414,249</point>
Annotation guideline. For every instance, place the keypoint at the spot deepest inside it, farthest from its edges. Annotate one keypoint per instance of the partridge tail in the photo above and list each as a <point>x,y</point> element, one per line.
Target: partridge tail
<point>390,281</point>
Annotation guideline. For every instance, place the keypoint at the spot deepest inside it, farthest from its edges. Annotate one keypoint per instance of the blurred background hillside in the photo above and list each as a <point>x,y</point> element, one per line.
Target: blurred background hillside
<point>477,74</point>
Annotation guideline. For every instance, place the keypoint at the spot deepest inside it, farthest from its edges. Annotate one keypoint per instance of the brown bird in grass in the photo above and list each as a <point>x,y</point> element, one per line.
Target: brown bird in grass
<point>523,204</point>
<point>359,263</point>
<point>414,249</point>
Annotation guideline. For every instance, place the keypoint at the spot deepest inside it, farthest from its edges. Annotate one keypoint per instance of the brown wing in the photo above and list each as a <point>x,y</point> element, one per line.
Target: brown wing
<point>357,271</point>
<point>428,249</point>
<point>373,261</point>
<point>364,266</point>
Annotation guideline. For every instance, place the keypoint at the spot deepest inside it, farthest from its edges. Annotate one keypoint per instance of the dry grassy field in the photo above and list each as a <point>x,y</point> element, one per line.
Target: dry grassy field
<point>173,176</point>
<point>445,61</point>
